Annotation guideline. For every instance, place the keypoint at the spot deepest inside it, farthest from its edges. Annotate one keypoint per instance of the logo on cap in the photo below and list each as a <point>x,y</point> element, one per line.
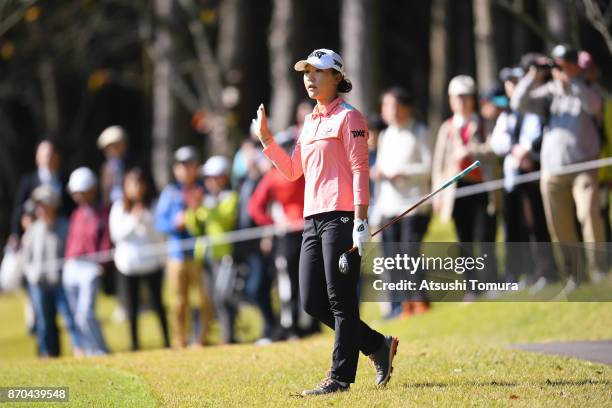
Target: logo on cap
<point>317,54</point>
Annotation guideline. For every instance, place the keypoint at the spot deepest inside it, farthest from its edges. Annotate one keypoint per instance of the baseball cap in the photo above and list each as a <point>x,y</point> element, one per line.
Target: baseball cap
<point>322,59</point>
<point>462,85</point>
<point>110,135</point>
<point>511,72</point>
<point>565,52</point>
<point>186,154</point>
<point>215,166</point>
<point>81,180</point>
<point>47,195</point>
<point>496,96</point>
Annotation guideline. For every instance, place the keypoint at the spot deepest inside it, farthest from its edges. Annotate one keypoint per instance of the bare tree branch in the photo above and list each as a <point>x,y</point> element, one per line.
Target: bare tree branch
<point>205,55</point>
<point>599,20</point>
<point>180,89</point>
<point>16,17</point>
<point>515,9</point>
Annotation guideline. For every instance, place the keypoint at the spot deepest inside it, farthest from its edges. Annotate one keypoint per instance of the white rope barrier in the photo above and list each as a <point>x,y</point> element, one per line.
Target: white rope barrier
<point>248,234</point>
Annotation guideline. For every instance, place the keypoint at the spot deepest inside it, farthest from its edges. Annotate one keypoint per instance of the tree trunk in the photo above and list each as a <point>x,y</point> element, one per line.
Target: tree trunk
<point>284,80</point>
<point>556,20</point>
<point>461,38</point>
<point>438,75</point>
<point>46,75</point>
<point>358,21</point>
<point>523,38</point>
<point>232,42</point>
<point>163,103</point>
<point>486,61</point>
<point>9,174</point>
<point>50,114</point>
<point>242,24</point>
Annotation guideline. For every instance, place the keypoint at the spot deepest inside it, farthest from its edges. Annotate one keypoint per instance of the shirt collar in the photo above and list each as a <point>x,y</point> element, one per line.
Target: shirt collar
<point>328,110</point>
<point>459,122</point>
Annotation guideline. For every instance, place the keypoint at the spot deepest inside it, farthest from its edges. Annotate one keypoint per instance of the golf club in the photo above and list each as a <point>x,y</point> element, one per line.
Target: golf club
<point>343,263</point>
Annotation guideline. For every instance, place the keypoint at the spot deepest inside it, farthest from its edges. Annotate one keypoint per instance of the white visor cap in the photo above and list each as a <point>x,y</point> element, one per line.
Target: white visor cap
<point>322,59</point>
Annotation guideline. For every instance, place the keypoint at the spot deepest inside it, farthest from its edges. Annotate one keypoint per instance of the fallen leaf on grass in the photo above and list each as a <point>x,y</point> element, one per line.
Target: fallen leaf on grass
<point>513,396</point>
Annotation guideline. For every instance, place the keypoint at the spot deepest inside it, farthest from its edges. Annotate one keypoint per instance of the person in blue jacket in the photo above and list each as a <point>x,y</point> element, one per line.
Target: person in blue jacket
<point>181,268</point>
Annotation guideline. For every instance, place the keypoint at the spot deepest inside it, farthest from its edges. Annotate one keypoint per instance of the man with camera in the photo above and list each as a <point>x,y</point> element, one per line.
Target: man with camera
<point>555,89</point>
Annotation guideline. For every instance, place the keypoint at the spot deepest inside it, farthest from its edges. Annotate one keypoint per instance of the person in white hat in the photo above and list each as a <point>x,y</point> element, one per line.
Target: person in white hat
<point>462,140</point>
<point>88,236</point>
<point>216,214</point>
<point>113,142</point>
<point>332,154</point>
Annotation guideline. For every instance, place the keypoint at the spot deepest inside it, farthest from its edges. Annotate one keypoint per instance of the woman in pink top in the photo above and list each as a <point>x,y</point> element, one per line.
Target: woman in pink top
<point>332,154</point>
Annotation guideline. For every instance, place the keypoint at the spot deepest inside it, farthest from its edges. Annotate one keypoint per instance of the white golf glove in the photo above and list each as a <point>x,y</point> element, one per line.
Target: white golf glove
<point>361,234</point>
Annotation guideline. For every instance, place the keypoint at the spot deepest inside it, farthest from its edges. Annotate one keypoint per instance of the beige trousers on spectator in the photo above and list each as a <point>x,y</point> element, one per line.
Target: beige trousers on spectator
<point>182,275</point>
<point>564,194</point>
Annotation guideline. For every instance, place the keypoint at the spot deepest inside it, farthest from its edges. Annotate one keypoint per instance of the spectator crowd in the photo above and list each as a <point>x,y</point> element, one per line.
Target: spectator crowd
<point>79,235</point>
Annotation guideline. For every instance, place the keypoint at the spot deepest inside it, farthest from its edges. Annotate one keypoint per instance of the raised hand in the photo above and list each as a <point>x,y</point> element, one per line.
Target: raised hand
<point>261,127</point>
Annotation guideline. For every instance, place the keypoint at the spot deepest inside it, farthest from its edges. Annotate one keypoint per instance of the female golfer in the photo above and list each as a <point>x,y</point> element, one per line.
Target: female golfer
<point>332,154</point>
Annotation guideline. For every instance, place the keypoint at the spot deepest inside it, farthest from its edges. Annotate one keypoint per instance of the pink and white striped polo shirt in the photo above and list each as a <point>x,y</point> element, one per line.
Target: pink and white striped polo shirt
<point>332,154</point>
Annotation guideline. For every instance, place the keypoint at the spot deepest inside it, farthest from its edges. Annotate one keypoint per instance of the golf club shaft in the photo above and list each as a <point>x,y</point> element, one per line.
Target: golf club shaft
<point>457,177</point>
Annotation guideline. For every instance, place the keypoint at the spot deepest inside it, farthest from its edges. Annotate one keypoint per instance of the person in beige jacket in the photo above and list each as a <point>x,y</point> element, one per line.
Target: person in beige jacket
<point>462,140</point>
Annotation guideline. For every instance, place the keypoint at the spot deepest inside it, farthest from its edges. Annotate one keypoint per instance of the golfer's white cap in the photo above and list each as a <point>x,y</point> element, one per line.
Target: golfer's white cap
<point>110,135</point>
<point>81,180</point>
<point>322,59</point>
<point>462,85</point>
<point>215,166</point>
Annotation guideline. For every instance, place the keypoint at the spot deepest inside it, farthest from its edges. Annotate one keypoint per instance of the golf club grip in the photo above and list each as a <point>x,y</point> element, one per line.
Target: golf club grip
<point>457,177</point>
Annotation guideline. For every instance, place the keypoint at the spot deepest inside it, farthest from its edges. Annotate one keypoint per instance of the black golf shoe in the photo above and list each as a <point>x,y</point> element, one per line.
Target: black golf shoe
<point>382,360</point>
<point>327,386</point>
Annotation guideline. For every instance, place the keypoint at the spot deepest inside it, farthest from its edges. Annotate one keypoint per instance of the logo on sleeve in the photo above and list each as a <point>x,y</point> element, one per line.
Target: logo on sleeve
<point>344,219</point>
<point>358,133</point>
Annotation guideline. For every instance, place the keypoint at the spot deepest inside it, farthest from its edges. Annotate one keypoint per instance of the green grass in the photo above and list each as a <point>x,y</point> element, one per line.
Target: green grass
<point>455,355</point>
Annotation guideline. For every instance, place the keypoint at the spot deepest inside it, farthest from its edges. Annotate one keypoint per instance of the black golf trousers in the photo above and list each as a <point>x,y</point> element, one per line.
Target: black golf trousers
<point>331,296</point>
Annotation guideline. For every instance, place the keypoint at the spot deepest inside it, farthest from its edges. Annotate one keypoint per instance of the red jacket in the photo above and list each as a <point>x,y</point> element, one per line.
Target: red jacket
<point>275,187</point>
<point>88,231</point>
